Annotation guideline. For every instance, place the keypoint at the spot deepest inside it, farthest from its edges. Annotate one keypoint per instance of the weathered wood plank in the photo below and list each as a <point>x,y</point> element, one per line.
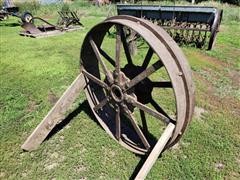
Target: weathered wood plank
<point>43,34</point>
<point>55,115</point>
<point>49,33</point>
<point>155,152</point>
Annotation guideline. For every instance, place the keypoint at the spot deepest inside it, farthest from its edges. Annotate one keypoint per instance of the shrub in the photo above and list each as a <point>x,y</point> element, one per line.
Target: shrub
<point>236,2</point>
<point>32,6</point>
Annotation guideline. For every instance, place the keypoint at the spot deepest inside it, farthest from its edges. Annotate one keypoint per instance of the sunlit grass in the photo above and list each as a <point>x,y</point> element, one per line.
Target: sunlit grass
<point>34,72</point>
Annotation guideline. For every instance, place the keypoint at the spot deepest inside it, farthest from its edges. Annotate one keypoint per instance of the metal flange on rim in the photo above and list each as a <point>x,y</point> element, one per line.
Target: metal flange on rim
<point>132,95</point>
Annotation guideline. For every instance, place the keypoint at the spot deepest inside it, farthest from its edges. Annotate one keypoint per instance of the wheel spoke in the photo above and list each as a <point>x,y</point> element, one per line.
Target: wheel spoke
<point>125,46</point>
<point>137,129</point>
<point>107,57</point>
<point>118,123</point>
<point>117,53</point>
<point>147,58</point>
<point>148,110</point>
<point>103,65</point>
<point>158,108</point>
<point>101,104</point>
<point>162,84</point>
<point>94,79</point>
<point>157,65</point>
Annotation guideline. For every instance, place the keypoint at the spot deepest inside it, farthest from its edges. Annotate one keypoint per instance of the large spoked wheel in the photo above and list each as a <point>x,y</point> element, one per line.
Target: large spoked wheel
<point>134,96</point>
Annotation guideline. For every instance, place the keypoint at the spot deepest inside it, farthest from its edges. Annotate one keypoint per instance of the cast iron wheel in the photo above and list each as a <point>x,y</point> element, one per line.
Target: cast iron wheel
<point>134,97</point>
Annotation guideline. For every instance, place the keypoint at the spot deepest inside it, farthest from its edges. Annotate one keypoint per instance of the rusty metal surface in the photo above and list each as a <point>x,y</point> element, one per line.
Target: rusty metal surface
<point>68,18</point>
<point>118,86</point>
<point>192,25</point>
<point>30,28</point>
<point>43,21</point>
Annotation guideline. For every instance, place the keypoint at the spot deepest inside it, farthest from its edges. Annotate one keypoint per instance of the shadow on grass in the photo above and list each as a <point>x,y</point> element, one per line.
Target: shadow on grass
<point>9,24</point>
<point>140,164</point>
<point>138,167</point>
<point>83,107</point>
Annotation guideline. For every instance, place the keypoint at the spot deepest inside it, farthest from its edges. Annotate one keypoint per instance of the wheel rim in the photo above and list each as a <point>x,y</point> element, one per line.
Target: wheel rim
<point>116,93</point>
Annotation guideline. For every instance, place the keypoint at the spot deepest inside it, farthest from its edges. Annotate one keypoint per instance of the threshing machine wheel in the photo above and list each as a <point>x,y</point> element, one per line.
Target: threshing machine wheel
<point>134,97</point>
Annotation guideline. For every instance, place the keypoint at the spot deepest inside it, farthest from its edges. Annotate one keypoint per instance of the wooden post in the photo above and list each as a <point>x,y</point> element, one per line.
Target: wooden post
<point>55,115</point>
<point>155,152</point>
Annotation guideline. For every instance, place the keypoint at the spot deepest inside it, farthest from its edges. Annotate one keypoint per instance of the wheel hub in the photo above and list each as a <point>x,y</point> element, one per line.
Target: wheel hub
<point>144,88</point>
<point>116,93</point>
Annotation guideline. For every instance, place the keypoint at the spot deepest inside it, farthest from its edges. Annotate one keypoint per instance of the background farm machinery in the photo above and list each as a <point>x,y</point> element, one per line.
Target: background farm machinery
<point>9,9</point>
<point>68,21</point>
<point>185,24</point>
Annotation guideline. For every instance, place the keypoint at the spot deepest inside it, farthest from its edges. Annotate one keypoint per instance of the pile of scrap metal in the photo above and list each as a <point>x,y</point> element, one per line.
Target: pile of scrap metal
<point>194,25</point>
<point>9,9</point>
<point>68,21</point>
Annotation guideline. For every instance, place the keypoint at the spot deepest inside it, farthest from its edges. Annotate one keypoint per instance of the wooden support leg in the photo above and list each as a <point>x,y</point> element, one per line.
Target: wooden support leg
<point>155,152</point>
<point>55,115</point>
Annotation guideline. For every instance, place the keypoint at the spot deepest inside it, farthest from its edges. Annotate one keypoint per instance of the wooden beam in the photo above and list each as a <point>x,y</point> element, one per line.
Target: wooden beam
<point>158,148</point>
<point>55,115</point>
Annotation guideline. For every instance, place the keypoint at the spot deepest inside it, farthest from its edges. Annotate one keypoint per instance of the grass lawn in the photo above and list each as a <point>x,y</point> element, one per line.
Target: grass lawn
<point>35,72</point>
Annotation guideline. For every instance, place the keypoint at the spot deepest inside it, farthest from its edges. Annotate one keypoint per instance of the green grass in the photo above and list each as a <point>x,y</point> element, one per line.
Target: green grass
<point>35,72</point>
